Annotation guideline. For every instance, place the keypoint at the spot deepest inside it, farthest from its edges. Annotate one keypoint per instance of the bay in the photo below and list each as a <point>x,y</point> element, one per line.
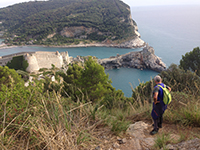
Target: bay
<point>128,78</point>
<point>99,52</point>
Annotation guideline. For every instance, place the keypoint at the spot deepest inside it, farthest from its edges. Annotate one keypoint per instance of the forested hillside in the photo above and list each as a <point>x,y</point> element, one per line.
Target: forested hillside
<point>43,22</point>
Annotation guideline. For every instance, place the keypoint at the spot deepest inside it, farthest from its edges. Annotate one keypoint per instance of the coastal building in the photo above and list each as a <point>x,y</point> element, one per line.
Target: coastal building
<point>40,59</point>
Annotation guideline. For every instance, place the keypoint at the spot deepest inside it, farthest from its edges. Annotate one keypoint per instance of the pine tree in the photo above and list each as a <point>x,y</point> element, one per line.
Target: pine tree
<point>191,61</point>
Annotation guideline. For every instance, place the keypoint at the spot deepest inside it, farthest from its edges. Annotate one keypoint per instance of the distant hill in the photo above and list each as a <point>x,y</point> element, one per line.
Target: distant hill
<point>58,22</point>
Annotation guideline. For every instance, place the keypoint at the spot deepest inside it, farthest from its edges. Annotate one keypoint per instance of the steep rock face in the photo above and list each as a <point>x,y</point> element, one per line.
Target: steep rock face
<point>145,59</point>
<point>72,32</point>
<point>134,43</point>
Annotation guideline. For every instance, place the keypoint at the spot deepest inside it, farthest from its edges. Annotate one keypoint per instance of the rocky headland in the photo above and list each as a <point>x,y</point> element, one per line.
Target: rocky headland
<point>145,59</point>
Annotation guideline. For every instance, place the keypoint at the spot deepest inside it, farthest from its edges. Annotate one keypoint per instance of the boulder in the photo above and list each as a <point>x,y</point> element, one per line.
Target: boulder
<point>137,131</point>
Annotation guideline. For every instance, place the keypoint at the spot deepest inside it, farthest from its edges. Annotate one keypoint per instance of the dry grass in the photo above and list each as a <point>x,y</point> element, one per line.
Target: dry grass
<point>59,123</point>
<point>52,125</point>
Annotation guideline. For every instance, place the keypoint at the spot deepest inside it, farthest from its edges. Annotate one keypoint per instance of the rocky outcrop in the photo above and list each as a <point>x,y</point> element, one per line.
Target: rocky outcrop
<point>2,45</point>
<point>80,31</point>
<point>145,59</point>
<point>134,43</point>
<point>185,145</point>
<point>140,140</point>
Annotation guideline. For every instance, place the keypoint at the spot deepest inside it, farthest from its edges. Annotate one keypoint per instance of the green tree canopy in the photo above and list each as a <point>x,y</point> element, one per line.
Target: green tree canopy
<point>94,81</point>
<point>88,79</point>
<point>18,63</point>
<point>180,80</point>
<point>175,77</point>
<point>191,61</point>
<point>9,76</point>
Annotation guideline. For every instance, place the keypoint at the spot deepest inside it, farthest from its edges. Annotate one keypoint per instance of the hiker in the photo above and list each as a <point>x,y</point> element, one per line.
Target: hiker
<point>159,106</point>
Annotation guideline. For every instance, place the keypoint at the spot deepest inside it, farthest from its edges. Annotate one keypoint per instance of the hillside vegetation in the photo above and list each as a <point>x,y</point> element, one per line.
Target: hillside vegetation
<point>80,108</point>
<point>33,22</point>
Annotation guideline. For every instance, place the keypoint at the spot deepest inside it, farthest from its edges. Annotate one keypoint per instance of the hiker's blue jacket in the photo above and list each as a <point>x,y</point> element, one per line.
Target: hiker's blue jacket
<point>160,107</point>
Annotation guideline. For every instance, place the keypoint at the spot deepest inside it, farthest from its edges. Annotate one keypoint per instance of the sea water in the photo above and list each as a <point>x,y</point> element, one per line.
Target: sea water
<point>170,30</point>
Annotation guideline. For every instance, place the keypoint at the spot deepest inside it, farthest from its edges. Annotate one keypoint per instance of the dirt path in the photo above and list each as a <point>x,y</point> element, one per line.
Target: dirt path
<point>176,134</point>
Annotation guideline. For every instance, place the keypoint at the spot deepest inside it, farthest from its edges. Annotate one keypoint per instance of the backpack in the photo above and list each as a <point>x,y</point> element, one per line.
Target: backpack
<point>167,98</point>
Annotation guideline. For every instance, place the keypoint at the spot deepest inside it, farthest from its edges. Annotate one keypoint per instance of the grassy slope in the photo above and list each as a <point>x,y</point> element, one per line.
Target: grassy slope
<point>35,119</point>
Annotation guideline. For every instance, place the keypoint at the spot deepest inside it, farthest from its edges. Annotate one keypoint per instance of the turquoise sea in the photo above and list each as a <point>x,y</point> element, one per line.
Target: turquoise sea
<point>171,30</point>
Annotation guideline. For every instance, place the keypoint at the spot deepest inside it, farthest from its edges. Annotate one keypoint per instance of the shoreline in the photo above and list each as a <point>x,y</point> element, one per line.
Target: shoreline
<point>132,44</point>
<point>72,46</point>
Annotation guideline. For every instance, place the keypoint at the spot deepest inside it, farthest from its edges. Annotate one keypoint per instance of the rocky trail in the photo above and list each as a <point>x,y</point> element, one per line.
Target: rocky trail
<point>137,137</point>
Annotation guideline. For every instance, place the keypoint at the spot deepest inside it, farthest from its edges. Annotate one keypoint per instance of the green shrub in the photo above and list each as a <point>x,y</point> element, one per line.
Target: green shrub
<point>119,126</point>
<point>115,100</point>
<point>8,76</point>
<point>87,80</point>
<point>181,81</point>
<point>43,69</point>
<point>191,61</point>
<point>18,63</point>
<point>161,141</point>
<point>184,110</point>
<point>143,92</point>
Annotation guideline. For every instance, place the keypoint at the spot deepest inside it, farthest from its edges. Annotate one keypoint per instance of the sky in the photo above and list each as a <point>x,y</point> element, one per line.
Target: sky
<point>4,3</point>
<point>161,2</point>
